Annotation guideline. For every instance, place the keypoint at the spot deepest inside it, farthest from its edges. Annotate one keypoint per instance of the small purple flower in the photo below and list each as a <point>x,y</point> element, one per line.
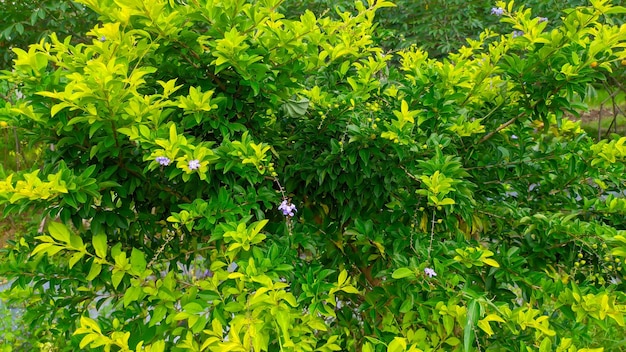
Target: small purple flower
<point>204,274</point>
<point>543,19</point>
<point>287,208</point>
<point>163,160</point>
<point>232,267</point>
<point>430,272</point>
<point>103,39</point>
<point>517,34</point>
<point>498,11</point>
<point>513,136</point>
<point>194,164</point>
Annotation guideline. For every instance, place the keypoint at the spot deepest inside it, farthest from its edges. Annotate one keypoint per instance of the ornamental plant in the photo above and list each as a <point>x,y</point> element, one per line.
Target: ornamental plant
<point>219,178</point>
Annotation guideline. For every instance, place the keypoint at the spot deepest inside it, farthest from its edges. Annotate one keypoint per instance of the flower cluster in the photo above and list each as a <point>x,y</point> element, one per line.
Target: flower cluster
<point>194,164</point>
<point>517,34</point>
<point>163,160</point>
<point>287,208</point>
<point>430,272</point>
<point>498,11</point>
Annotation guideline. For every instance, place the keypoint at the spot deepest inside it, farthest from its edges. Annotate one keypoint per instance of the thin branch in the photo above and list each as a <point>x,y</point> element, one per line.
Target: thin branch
<point>500,128</point>
<point>410,174</point>
<point>432,235</point>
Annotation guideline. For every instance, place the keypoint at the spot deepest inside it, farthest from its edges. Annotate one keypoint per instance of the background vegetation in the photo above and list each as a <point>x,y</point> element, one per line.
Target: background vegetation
<point>438,26</point>
<point>25,22</point>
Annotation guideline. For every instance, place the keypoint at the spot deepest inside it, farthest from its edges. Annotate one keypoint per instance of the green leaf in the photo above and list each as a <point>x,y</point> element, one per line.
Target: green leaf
<point>397,345</point>
<point>75,258</point>
<point>173,134</point>
<point>49,248</point>
<point>157,315</point>
<point>59,232</point>
<point>76,243</point>
<point>350,289</point>
<point>343,276</point>
<point>108,184</point>
<point>94,271</point>
<point>483,324</point>
<point>137,262</point>
<point>116,278</point>
<point>87,339</point>
<point>58,107</point>
<point>446,201</point>
<point>546,345</point>
<point>452,341</point>
<point>132,294</point>
<point>615,10</point>
<point>193,308</point>
<point>491,262</point>
<point>468,332</point>
<point>234,307</point>
<point>448,324</point>
<point>158,346</point>
<point>258,226</point>
<point>406,306</point>
<point>402,273</point>
<point>100,245</point>
<point>296,108</point>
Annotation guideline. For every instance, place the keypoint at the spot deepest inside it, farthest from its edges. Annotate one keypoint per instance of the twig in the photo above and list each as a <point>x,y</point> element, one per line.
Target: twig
<point>168,238</point>
<point>42,225</point>
<point>600,122</point>
<point>500,128</point>
<point>17,150</point>
<point>432,234</point>
<point>548,157</point>
<point>410,174</point>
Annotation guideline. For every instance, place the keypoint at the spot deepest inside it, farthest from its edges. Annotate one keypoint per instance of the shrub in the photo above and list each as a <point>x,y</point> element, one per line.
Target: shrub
<point>24,22</point>
<point>437,26</point>
<point>222,178</point>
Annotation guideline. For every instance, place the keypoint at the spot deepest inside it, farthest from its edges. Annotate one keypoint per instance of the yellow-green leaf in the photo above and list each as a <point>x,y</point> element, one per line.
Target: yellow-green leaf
<point>59,232</point>
<point>100,245</point>
<point>94,271</point>
<point>491,262</point>
<point>397,345</point>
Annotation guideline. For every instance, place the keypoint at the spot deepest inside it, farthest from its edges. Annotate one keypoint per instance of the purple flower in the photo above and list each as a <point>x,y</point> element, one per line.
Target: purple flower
<point>194,164</point>
<point>517,34</point>
<point>232,267</point>
<point>103,38</point>
<point>430,272</point>
<point>287,208</point>
<point>204,274</point>
<point>163,160</point>
<point>543,19</point>
<point>498,11</point>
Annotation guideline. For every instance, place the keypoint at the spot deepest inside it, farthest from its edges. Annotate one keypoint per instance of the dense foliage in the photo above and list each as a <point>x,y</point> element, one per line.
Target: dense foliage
<point>438,26</point>
<point>25,22</point>
<point>21,24</point>
<point>220,178</point>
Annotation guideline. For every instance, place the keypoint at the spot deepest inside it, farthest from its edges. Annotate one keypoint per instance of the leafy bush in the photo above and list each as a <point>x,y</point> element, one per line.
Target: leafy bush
<point>222,178</point>
<point>24,22</point>
<point>437,26</point>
